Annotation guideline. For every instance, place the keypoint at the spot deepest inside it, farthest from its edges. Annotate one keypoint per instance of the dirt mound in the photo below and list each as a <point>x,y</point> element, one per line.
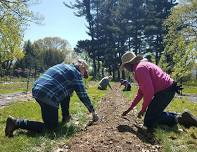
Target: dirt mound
<point>113,132</point>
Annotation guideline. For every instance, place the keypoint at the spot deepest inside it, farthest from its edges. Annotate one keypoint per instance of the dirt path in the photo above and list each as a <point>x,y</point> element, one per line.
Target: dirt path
<point>112,133</point>
<point>6,99</point>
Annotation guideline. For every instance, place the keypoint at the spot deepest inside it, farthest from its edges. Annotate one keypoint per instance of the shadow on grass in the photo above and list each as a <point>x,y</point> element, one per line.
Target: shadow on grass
<point>63,131</point>
<point>169,129</point>
<point>143,135</point>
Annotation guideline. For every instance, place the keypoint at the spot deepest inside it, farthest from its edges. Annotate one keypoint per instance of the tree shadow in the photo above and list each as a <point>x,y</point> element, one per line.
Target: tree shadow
<point>143,135</point>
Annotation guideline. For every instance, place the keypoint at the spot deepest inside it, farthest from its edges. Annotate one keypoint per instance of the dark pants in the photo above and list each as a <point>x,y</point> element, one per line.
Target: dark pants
<point>101,88</point>
<point>65,108</point>
<point>127,88</point>
<point>155,113</point>
<point>49,116</point>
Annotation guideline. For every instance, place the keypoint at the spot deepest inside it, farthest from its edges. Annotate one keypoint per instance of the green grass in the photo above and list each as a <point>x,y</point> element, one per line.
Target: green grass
<point>190,89</point>
<point>191,82</point>
<point>171,139</point>
<point>14,87</point>
<point>29,142</point>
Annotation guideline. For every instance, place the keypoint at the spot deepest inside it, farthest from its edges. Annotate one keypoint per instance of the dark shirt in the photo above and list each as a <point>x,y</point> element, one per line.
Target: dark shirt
<point>125,83</point>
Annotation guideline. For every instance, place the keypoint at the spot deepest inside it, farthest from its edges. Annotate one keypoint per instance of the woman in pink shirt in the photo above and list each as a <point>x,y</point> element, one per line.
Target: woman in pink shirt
<point>156,88</point>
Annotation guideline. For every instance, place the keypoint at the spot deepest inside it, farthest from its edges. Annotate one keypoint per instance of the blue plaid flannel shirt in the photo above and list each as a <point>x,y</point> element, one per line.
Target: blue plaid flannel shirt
<point>59,82</point>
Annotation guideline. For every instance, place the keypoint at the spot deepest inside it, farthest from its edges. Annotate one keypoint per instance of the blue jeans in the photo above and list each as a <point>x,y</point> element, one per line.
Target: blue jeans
<point>49,116</point>
<point>65,107</point>
<point>155,113</point>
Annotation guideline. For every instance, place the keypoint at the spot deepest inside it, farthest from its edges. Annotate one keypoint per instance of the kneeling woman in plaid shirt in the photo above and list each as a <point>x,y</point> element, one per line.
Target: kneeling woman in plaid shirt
<point>55,87</point>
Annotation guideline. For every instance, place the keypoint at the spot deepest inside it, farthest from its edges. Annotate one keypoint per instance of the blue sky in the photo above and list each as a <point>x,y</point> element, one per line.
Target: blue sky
<point>59,21</point>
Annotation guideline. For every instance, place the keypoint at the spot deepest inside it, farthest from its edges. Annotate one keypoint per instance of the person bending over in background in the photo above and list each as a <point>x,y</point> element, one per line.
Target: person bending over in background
<point>104,83</point>
<point>55,87</point>
<point>126,84</point>
<point>157,89</point>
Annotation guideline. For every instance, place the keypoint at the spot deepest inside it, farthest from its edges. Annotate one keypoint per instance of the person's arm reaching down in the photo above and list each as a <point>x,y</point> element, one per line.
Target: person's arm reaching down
<point>135,101</point>
<point>145,85</point>
<point>82,94</point>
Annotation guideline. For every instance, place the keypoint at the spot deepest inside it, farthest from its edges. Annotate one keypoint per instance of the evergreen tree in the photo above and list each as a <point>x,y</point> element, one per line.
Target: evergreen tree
<point>118,26</point>
<point>155,14</point>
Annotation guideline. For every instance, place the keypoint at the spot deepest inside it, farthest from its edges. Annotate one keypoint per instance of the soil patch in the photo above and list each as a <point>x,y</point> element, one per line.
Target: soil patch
<point>113,133</point>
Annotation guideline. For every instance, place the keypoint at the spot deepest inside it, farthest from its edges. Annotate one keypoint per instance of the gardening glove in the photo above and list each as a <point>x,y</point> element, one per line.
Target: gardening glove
<point>140,114</point>
<point>126,112</point>
<point>95,117</point>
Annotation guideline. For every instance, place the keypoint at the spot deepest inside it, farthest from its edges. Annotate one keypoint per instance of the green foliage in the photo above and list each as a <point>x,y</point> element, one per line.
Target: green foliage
<point>191,83</point>
<point>17,9</point>
<point>51,51</point>
<point>180,41</point>
<point>54,43</point>
<point>184,59</point>
<point>118,26</point>
<point>43,54</point>
<point>29,57</point>
<point>14,17</point>
<point>10,39</point>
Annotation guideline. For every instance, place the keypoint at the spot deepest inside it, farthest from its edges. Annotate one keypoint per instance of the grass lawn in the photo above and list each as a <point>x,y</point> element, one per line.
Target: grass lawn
<point>6,88</point>
<point>47,141</point>
<point>190,90</point>
<point>175,139</point>
<point>15,85</point>
<point>171,138</point>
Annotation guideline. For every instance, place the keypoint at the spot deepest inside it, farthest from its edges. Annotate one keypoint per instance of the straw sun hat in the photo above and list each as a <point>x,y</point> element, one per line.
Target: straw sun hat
<point>129,57</point>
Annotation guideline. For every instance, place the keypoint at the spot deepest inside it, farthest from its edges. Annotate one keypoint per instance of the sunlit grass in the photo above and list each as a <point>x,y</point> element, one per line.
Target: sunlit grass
<point>170,138</point>
<point>14,87</point>
<point>175,139</point>
<point>190,90</point>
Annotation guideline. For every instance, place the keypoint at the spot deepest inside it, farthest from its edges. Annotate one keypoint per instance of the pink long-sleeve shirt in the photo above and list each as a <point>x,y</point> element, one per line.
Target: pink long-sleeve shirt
<point>151,79</point>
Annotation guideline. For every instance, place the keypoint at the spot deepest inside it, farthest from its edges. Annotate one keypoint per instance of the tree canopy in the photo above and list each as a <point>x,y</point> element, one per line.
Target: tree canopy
<point>44,53</point>
<point>118,26</point>
<point>181,40</point>
<point>14,17</point>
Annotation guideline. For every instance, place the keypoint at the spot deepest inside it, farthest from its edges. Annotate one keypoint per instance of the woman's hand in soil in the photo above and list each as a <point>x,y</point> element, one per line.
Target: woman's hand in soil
<point>140,114</point>
<point>95,117</point>
<point>126,112</point>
